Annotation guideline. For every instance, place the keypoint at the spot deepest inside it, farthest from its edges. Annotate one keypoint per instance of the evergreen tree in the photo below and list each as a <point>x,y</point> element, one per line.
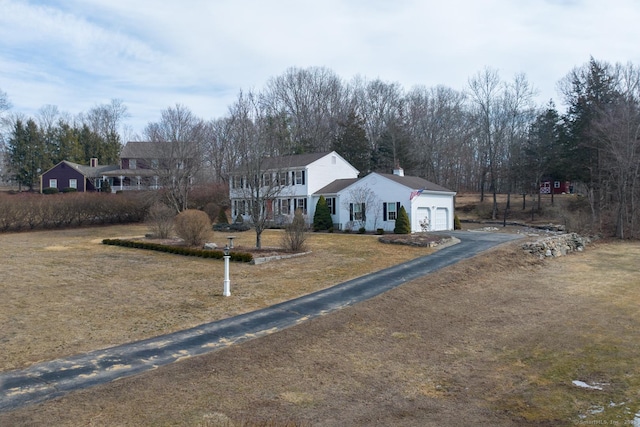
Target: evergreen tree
<point>322,217</point>
<point>352,144</point>
<point>403,226</point>
<point>66,144</point>
<point>222,216</point>
<point>27,154</point>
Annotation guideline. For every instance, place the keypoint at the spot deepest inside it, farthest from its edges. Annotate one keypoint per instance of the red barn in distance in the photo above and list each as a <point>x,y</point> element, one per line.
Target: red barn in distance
<point>547,186</point>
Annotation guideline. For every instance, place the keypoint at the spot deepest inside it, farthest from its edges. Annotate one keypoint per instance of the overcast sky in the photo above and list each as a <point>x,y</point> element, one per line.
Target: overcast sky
<point>153,54</point>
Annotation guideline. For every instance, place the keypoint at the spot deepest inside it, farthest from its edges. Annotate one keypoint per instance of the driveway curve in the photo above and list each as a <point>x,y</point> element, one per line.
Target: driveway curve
<point>55,378</point>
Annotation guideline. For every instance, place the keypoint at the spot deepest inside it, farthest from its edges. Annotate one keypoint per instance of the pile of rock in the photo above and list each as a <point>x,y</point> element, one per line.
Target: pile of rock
<point>558,245</point>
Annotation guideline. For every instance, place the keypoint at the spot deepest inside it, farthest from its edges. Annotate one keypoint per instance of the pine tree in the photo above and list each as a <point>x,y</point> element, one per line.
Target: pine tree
<point>352,143</point>
<point>27,156</point>
<point>222,216</point>
<point>403,226</point>
<point>322,217</point>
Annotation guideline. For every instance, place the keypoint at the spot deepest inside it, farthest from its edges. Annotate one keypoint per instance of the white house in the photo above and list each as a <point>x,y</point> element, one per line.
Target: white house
<point>374,201</point>
<point>290,182</point>
<point>297,182</point>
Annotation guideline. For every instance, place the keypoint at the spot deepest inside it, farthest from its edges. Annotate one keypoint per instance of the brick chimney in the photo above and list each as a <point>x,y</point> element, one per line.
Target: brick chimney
<point>398,171</point>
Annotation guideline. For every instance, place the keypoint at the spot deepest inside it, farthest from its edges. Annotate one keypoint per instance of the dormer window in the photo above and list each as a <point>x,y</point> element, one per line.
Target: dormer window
<point>132,164</point>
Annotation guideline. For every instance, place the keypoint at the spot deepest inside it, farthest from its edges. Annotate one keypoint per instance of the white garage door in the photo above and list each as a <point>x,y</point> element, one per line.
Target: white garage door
<point>421,215</point>
<point>442,219</point>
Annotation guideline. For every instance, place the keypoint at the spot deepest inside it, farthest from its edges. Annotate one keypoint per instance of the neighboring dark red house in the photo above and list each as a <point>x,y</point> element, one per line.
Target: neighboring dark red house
<point>72,175</point>
<point>556,186</point>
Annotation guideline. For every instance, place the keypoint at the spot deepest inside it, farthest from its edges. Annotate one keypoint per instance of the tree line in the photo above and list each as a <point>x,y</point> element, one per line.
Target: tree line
<point>489,137</point>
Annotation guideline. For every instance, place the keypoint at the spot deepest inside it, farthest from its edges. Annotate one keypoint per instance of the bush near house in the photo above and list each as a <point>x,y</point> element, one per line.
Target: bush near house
<point>322,217</point>
<point>222,216</point>
<point>403,226</point>
<point>192,226</point>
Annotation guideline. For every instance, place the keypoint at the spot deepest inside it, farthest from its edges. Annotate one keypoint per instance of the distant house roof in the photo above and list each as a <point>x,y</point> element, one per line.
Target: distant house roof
<point>415,182</point>
<point>87,171</point>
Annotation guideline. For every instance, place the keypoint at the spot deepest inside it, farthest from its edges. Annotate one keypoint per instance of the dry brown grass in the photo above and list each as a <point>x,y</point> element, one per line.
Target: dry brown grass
<point>65,293</point>
<point>495,340</point>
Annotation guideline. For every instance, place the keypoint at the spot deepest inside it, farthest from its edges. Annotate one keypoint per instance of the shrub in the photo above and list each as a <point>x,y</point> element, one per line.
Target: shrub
<point>50,190</point>
<point>160,220</point>
<point>295,233</point>
<point>361,230</point>
<point>179,250</point>
<point>322,217</point>
<point>192,226</point>
<point>222,217</point>
<point>380,231</point>
<point>403,226</point>
<point>69,190</point>
<point>456,223</point>
<point>105,187</point>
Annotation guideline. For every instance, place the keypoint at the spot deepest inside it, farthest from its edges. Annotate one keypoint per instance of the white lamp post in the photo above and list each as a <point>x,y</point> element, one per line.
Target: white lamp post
<point>226,291</point>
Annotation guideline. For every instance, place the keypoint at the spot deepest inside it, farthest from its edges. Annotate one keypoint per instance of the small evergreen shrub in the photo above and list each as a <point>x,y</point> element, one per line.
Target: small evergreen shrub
<point>192,226</point>
<point>322,217</point>
<point>403,226</point>
<point>361,230</point>
<point>456,223</point>
<point>380,231</point>
<point>222,216</point>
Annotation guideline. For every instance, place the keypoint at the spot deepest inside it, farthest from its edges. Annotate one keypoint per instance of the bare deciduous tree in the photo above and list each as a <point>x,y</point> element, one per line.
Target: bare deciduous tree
<point>255,181</point>
<point>310,101</point>
<point>180,138</point>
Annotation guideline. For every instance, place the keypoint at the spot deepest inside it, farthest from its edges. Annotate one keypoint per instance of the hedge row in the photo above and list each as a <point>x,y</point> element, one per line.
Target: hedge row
<point>180,250</point>
<point>29,211</point>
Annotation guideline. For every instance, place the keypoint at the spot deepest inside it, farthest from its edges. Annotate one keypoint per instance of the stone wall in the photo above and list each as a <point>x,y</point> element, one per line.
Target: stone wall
<point>558,245</point>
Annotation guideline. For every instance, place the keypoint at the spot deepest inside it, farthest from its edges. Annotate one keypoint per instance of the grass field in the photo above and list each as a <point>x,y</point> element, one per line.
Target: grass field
<point>503,339</point>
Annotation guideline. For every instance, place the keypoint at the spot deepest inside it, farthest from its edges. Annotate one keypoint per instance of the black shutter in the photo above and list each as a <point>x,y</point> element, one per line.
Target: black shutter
<point>397,209</point>
<point>364,217</point>
<point>384,211</point>
<point>350,211</point>
<point>303,176</point>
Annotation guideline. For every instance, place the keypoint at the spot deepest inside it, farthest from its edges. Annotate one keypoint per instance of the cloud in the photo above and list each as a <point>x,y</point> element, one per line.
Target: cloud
<point>150,54</point>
